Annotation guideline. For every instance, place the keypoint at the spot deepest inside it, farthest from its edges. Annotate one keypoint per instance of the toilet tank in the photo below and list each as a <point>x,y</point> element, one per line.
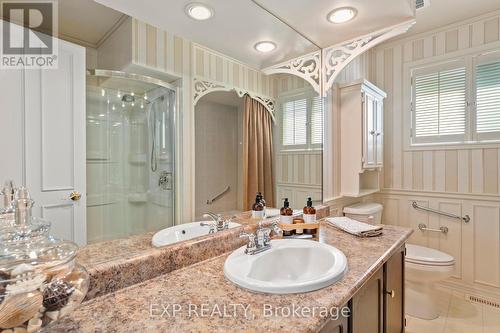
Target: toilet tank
<point>368,212</point>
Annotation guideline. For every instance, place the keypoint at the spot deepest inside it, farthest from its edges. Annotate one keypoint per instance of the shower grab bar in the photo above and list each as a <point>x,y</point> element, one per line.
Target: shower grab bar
<point>423,227</point>
<point>218,196</point>
<point>465,218</point>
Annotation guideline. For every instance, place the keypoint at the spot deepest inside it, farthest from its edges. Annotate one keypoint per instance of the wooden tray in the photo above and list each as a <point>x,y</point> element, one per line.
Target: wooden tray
<point>288,227</point>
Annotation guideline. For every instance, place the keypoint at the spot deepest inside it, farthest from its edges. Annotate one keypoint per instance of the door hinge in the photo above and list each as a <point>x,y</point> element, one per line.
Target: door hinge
<point>405,321</point>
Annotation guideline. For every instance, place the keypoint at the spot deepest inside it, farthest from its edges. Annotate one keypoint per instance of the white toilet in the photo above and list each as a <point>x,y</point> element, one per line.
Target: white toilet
<point>424,267</point>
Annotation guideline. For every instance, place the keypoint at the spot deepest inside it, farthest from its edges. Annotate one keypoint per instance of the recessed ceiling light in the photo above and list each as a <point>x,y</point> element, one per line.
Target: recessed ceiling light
<point>265,46</point>
<point>199,11</point>
<point>341,15</point>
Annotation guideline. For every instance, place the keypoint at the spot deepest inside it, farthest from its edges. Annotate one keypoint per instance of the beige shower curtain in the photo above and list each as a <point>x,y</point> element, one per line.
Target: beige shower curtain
<point>258,173</point>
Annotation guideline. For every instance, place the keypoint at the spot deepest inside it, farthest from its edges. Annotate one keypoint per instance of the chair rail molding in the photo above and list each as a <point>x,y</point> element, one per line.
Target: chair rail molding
<point>201,87</point>
<point>320,68</point>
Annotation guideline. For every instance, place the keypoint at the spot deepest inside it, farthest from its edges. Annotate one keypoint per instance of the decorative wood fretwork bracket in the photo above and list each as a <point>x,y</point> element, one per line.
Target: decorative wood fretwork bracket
<point>320,68</point>
<point>307,67</point>
<point>202,87</point>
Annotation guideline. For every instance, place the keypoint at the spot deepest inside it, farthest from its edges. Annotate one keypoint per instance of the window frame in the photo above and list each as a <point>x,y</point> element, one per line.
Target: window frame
<point>471,58</point>
<point>480,59</point>
<point>450,138</point>
<point>305,93</point>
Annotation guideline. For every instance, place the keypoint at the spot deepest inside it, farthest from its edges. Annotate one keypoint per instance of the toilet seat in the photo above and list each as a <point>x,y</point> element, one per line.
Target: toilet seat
<point>427,257</point>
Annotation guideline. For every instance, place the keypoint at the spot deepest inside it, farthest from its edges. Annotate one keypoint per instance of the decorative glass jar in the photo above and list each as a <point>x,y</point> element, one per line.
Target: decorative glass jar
<point>40,280</point>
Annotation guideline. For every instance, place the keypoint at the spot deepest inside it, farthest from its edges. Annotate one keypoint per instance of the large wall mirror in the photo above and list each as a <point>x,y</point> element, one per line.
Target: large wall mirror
<point>243,148</point>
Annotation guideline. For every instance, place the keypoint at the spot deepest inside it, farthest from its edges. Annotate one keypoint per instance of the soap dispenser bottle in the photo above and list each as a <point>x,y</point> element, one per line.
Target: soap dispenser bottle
<point>258,208</point>
<point>262,201</point>
<point>309,214</point>
<point>286,216</point>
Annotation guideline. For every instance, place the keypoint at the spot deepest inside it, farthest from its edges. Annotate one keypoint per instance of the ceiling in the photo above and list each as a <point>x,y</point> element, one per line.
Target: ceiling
<point>86,22</point>
<point>238,24</point>
<point>372,15</point>
<point>89,23</point>
<point>444,12</point>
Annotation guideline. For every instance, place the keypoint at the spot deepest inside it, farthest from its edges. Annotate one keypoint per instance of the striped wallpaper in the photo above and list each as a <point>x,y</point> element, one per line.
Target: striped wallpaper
<point>467,170</point>
<point>161,50</point>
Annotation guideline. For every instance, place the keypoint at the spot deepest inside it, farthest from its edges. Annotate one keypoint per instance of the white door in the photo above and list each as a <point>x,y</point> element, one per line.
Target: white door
<point>55,142</point>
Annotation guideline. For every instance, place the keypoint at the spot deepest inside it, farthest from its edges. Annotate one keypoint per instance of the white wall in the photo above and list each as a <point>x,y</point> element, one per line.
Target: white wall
<point>218,143</point>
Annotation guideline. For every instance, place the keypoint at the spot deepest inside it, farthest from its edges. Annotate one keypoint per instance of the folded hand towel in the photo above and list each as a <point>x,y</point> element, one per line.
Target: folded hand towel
<point>355,227</point>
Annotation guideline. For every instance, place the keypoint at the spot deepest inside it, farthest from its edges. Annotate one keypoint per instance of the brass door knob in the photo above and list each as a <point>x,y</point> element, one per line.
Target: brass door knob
<point>392,293</point>
<point>75,196</point>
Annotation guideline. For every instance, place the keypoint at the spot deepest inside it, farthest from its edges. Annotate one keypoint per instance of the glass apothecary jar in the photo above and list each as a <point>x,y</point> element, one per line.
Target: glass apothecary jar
<point>40,280</point>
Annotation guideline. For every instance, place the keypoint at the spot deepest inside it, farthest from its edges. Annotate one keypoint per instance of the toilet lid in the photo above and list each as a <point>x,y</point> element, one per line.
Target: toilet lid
<point>423,255</point>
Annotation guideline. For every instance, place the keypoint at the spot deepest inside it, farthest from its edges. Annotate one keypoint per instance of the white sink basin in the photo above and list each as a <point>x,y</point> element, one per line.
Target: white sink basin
<point>183,232</point>
<point>290,266</point>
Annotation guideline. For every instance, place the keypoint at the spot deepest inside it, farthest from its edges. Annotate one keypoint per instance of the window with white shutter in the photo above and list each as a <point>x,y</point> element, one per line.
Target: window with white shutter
<point>487,78</point>
<point>295,123</point>
<point>439,104</point>
<point>301,121</point>
<point>457,102</point>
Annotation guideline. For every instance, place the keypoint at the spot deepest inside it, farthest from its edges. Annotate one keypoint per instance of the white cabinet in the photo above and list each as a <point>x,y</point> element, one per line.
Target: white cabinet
<point>362,137</point>
<point>373,132</point>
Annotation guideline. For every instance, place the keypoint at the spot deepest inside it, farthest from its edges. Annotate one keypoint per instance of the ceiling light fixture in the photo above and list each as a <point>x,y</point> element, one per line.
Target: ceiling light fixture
<point>199,11</point>
<point>265,46</point>
<point>341,15</point>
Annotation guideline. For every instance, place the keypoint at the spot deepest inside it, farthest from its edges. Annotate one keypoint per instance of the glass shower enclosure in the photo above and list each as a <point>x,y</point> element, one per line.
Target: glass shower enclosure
<point>130,154</point>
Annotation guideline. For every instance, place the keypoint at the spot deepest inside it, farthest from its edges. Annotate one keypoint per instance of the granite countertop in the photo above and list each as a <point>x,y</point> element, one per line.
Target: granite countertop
<point>199,298</point>
<point>129,247</point>
<point>120,263</point>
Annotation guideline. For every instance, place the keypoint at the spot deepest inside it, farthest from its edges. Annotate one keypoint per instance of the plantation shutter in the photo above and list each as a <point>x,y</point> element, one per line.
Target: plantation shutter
<point>295,123</point>
<point>439,99</point>
<point>488,101</point>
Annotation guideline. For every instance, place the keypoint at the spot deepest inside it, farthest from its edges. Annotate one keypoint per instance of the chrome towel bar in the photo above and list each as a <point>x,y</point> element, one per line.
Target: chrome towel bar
<point>423,227</point>
<point>465,218</point>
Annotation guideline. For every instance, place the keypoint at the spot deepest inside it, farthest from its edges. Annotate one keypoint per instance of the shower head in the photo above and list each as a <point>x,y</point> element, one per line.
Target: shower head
<point>128,98</point>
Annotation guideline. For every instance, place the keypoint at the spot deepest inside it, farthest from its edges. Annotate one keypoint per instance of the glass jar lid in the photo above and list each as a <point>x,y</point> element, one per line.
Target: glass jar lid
<point>26,246</point>
<point>29,249</point>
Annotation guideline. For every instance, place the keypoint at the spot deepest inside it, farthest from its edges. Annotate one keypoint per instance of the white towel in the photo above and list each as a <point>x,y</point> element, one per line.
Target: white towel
<point>354,227</point>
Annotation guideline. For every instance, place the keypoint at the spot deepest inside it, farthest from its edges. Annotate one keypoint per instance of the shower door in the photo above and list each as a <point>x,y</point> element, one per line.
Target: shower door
<point>130,155</point>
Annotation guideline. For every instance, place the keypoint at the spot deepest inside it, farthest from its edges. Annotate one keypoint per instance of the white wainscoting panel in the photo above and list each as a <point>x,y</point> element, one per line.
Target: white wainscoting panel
<point>474,245</point>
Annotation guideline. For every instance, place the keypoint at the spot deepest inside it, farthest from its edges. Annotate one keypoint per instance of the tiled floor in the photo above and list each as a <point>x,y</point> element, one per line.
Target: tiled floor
<point>457,316</point>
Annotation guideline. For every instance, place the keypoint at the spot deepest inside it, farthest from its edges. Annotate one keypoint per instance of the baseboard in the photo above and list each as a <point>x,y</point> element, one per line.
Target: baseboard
<point>467,289</point>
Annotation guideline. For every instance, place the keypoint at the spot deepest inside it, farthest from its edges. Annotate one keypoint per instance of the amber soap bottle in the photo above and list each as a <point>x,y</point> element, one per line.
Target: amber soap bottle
<point>309,212</point>
<point>258,208</point>
<point>286,216</point>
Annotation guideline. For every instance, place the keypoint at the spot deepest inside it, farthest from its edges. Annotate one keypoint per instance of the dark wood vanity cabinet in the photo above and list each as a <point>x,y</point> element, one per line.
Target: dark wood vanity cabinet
<point>378,307</point>
<point>367,306</point>
<point>394,285</point>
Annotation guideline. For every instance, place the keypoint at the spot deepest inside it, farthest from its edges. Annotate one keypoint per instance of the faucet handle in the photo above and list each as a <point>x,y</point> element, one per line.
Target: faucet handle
<point>250,237</point>
<point>276,229</point>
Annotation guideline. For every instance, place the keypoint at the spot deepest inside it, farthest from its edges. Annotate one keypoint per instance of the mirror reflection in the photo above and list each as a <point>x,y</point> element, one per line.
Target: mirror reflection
<point>244,149</point>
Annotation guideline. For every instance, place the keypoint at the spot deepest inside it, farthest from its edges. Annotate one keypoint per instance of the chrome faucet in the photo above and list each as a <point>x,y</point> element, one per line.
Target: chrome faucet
<point>218,223</point>
<point>261,240</point>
